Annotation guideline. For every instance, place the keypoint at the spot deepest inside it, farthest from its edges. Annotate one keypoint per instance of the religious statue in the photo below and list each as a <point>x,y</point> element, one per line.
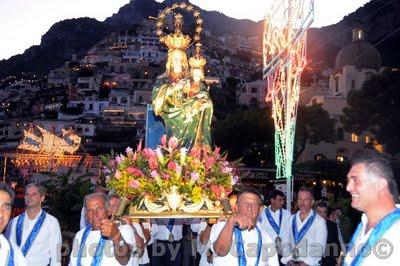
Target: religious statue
<point>180,95</point>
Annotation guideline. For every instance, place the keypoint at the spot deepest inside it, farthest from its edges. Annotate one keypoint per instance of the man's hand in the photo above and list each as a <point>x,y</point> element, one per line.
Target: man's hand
<point>241,221</point>
<point>296,263</point>
<point>109,229</point>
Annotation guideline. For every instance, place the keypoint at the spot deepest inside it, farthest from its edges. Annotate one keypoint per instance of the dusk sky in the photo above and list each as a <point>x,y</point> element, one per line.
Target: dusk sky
<point>23,22</point>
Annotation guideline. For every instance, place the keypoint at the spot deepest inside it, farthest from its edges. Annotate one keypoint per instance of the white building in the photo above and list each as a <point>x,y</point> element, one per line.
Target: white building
<point>354,64</point>
<point>253,92</point>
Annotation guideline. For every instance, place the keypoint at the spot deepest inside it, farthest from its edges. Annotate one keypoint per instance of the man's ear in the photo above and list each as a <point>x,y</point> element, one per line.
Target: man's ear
<point>382,184</point>
<point>42,198</point>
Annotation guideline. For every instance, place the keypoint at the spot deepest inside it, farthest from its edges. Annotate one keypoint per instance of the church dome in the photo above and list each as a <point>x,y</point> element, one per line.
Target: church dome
<point>358,53</point>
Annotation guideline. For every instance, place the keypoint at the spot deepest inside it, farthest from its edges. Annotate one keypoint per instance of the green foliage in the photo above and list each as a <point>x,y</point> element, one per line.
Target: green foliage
<point>241,128</point>
<point>375,108</point>
<point>313,125</point>
<point>224,100</point>
<point>64,199</point>
<point>349,220</point>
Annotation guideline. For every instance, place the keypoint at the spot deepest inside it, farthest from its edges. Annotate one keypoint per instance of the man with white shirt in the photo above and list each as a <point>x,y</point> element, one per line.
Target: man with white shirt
<point>374,192</point>
<point>83,221</point>
<point>102,242</point>
<point>307,234</point>
<point>239,240</point>
<point>274,219</point>
<point>137,229</point>
<point>36,232</point>
<point>10,254</point>
<point>167,245</point>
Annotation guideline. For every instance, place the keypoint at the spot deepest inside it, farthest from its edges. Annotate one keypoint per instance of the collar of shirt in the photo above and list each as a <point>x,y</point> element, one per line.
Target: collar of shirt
<point>300,223</point>
<point>364,235</point>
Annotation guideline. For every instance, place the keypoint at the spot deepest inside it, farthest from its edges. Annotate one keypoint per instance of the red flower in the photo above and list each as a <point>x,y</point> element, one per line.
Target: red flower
<point>134,171</point>
<point>153,163</point>
<point>209,162</point>
<point>148,153</point>
<point>173,143</point>
<point>195,152</point>
<point>140,145</point>
<point>164,140</point>
<point>134,184</point>
<point>171,165</point>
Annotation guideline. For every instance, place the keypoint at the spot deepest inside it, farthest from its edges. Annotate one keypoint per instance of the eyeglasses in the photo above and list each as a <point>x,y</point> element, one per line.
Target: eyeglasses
<point>253,205</point>
<point>6,207</point>
<point>97,210</point>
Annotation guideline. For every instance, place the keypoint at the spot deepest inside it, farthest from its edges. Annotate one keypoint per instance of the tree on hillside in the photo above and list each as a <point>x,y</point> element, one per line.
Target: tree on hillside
<point>313,125</point>
<point>243,129</point>
<point>250,133</point>
<point>375,108</point>
<point>224,100</point>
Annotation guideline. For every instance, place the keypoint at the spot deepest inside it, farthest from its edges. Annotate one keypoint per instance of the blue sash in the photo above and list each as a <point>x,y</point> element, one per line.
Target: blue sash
<point>170,225</point>
<point>240,248</point>
<point>377,232</point>
<point>298,236</point>
<point>277,228</point>
<point>98,254</point>
<point>33,234</point>
<point>10,256</point>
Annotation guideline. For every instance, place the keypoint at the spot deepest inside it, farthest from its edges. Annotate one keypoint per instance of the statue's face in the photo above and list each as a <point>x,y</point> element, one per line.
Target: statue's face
<point>177,66</point>
<point>197,75</point>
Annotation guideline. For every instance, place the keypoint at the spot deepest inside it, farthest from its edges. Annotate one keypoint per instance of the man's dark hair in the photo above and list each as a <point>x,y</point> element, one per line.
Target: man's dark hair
<point>306,189</point>
<point>321,204</point>
<point>252,191</point>
<point>6,188</point>
<point>379,167</point>
<point>276,192</point>
<point>232,194</point>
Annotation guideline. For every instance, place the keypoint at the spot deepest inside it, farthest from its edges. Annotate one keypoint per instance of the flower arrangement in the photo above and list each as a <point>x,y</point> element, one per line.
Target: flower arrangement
<point>195,175</point>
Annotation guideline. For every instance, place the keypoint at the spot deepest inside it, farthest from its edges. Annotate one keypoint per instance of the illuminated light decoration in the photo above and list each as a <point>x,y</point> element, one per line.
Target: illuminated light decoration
<point>42,151</point>
<point>46,163</point>
<point>39,140</point>
<point>284,57</point>
<point>185,40</point>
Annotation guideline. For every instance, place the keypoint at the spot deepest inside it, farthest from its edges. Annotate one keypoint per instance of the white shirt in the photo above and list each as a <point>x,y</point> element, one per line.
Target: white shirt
<point>144,259</point>
<point>19,259</point>
<point>161,231</point>
<point>47,245</point>
<point>284,228</point>
<point>201,248</point>
<point>311,247</point>
<point>91,242</point>
<point>269,256</point>
<point>388,249</point>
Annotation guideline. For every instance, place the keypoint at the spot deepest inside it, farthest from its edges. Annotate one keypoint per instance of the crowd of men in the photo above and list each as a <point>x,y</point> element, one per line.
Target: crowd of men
<point>253,235</point>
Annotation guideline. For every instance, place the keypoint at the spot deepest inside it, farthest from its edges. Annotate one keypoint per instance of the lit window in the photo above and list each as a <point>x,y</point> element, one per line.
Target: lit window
<point>354,137</point>
<point>367,139</point>
<point>339,158</point>
<point>378,147</point>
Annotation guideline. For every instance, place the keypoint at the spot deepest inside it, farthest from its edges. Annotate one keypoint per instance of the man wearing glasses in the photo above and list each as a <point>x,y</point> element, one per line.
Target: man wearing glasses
<point>239,240</point>
<point>9,254</point>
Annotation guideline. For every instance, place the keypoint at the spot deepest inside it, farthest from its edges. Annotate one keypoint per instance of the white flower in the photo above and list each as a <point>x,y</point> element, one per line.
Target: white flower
<point>129,150</point>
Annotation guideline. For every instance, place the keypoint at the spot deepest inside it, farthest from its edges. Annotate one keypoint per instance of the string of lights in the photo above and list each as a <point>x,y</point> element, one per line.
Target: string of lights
<point>284,57</point>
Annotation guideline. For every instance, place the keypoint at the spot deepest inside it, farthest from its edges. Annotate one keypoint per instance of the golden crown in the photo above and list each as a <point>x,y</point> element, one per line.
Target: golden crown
<point>176,40</point>
<point>197,61</point>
